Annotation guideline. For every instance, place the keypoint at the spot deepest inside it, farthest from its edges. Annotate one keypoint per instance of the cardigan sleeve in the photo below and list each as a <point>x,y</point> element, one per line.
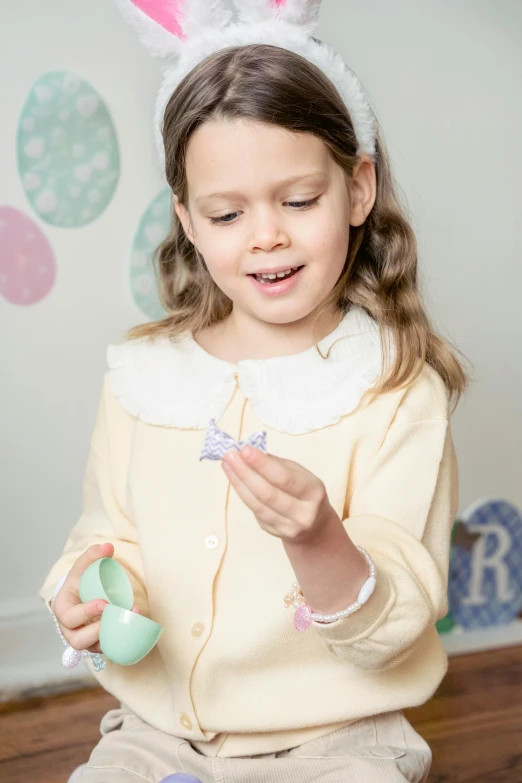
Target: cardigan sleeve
<point>402,513</point>
<point>103,517</point>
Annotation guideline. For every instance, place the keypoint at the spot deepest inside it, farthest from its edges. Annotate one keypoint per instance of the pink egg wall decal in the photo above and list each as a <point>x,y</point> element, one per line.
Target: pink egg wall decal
<point>27,265</point>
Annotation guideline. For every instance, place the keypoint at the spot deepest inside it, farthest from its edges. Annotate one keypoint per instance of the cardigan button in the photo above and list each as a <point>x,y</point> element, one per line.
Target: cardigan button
<point>197,629</point>
<point>186,722</point>
<point>211,542</point>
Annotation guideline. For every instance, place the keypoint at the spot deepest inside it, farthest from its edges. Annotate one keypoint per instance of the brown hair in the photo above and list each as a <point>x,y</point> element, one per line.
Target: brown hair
<point>270,84</point>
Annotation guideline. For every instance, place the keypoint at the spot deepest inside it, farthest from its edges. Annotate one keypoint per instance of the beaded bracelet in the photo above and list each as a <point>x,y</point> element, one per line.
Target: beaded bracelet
<point>304,616</point>
<point>72,657</point>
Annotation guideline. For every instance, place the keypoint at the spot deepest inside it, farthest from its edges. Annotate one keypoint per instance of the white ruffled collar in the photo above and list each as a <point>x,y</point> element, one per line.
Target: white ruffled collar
<point>178,384</point>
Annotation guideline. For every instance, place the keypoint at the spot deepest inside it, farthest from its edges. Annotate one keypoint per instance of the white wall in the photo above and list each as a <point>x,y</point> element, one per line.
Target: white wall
<point>445,79</point>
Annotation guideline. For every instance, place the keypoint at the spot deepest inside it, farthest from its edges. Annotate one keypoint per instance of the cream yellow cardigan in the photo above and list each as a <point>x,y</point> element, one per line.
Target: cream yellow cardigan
<point>230,673</point>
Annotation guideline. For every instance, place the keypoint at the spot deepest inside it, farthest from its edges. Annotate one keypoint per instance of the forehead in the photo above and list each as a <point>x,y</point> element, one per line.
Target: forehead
<point>245,156</point>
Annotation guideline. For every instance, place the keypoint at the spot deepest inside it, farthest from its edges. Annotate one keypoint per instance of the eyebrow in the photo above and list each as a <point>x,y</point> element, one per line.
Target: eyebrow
<point>282,183</point>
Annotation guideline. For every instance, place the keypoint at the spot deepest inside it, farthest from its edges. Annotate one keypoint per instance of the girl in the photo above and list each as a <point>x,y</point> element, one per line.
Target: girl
<point>298,588</point>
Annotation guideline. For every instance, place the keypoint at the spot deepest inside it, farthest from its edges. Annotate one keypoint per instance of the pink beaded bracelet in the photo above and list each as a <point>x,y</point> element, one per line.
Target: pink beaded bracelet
<point>304,616</point>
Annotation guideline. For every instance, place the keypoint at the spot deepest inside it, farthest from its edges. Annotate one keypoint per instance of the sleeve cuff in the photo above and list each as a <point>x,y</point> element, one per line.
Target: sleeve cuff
<point>51,592</point>
<point>365,620</point>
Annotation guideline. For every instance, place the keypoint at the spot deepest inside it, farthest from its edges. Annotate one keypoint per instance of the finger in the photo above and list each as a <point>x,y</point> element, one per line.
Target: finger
<point>264,514</point>
<point>74,616</point>
<point>70,587</point>
<point>272,522</point>
<point>288,476</point>
<point>90,555</point>
<point>244,493</point>
<point>81,614</point>
<point>85,637</point>
<point>266,493</point>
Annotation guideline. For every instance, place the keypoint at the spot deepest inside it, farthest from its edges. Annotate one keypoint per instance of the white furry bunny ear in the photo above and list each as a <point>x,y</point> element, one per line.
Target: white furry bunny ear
<point>165,25</point>
<point>302,13</point>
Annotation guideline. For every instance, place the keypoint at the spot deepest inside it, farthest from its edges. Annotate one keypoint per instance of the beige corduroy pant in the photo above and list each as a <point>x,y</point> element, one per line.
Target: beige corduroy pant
<point>381,749</point>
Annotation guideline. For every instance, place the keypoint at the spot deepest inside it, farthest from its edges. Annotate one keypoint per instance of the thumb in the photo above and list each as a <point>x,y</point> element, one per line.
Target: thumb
<point>93,553</point>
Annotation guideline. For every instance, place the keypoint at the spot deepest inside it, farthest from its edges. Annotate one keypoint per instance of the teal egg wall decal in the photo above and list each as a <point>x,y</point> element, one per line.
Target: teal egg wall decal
<point>67,150</point>
<point>153,228</point>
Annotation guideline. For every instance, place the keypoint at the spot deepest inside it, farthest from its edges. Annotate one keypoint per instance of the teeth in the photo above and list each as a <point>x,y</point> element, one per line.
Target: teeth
<point>273,275</point>
<point>265,277</point>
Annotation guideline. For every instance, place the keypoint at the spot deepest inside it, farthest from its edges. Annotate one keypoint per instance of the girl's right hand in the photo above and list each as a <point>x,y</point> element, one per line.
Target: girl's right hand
<point>80,623</point>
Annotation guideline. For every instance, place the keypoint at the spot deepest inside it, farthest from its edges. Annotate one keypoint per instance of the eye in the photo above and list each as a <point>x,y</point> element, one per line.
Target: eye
<point>304,203</point>
<point>299,204</point>
<point>222,219</point>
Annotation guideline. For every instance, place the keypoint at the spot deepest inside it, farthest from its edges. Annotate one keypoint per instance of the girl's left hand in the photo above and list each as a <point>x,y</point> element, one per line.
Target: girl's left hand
<point>287,500</point>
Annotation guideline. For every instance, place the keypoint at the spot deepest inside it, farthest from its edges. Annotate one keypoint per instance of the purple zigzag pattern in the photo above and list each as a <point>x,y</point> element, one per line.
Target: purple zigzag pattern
<point>218,443</point>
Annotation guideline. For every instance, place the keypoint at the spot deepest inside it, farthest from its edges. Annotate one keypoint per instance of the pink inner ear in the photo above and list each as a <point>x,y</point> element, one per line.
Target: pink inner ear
<point>162,12</point>
<point>278,2</point>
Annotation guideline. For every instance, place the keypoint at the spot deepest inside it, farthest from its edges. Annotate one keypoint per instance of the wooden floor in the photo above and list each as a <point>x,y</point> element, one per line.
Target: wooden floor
<point>473,724</point>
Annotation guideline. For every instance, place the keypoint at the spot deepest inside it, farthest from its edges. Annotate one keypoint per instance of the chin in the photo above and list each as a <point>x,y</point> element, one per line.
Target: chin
<point>284,312</point>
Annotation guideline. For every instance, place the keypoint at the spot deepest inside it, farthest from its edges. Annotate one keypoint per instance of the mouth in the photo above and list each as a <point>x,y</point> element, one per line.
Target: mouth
<point>269,278</point>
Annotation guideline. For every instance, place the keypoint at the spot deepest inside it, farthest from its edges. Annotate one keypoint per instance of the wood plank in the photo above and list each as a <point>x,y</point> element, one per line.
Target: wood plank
<point>52,766</point>
<point>488,754</point>
<point>54,723</point>
<point>479,685</point>
<point>473,724</point>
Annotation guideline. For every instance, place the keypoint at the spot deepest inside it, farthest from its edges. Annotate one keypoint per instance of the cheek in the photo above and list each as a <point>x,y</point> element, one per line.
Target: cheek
<point>327,242</point>
<point>220,267</point>
<point>220,260</point>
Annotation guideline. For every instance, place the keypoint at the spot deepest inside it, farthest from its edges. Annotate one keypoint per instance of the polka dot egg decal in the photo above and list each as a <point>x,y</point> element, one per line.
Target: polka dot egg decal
<point>152,230</point>
<point>27,266</point>
<point>68,156</point>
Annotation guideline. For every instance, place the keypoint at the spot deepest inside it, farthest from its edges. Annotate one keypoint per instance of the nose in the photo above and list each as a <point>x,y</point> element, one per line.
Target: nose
<point>268,232</point>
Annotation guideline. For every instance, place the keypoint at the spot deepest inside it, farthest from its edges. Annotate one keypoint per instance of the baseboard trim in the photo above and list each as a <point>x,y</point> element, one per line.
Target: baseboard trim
<point>461,642</point>
<point>31,652</point>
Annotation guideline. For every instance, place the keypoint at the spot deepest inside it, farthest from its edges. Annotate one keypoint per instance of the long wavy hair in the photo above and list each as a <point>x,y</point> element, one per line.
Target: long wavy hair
<point>269,84</point>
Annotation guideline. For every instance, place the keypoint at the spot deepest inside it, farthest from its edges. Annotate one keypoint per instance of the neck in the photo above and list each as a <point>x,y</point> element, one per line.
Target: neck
<point>242,336</point>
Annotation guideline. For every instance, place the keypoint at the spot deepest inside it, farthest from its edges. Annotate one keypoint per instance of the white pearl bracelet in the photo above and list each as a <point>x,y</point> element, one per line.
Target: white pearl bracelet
<point>304,616</point>
<point>71,657</point>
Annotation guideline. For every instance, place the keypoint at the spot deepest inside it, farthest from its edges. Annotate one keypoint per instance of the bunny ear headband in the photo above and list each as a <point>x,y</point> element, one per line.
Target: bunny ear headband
<point>184,32</point>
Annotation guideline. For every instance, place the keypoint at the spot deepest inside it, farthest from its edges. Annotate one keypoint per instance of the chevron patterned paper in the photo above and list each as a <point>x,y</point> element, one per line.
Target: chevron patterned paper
<point>218,443</point>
